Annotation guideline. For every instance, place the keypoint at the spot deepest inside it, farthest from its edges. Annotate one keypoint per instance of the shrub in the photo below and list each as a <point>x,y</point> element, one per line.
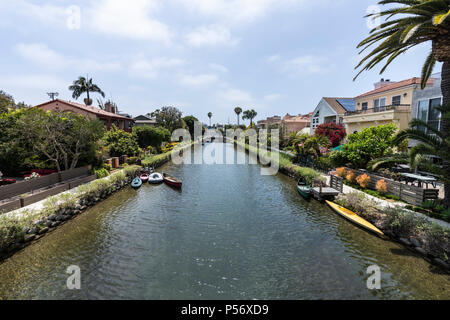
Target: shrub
<point>132,160</point>
<point>333,131</point>
<point>101,173</point>
<point>341,172</point>
<point>381,186</point>
<point>363,180</point>
<point>350,176</point>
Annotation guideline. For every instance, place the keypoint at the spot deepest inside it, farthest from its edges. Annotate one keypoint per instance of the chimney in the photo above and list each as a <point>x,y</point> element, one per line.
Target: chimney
<point>383,83</point>
<point>109,107</point>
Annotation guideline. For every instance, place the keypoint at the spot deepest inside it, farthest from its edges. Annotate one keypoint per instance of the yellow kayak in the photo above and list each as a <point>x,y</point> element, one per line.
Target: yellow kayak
<point>353,217</point>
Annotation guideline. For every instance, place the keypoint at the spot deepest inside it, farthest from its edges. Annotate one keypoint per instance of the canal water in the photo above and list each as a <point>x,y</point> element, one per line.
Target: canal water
<point>231,233</point>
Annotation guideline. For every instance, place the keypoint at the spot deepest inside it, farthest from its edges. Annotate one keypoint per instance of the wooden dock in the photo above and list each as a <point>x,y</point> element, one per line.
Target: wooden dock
<point>326,193</point>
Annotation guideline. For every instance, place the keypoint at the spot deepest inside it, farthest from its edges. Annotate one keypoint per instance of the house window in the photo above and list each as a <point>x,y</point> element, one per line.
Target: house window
<point>396,101</point>
<point>364,106</point>
<point>427,112</point>
<point>379,104</point>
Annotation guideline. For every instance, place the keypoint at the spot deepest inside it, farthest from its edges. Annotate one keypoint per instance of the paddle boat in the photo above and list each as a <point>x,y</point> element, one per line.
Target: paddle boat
<point>155,178</point>
<point>136,183</point>
<point>172,181</point>
<point>304,189</point>
<point>144,177</point>
<point>353,217</point>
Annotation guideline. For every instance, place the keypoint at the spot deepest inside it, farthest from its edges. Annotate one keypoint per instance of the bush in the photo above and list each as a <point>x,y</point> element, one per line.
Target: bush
<point>381,186</point>
<point>341,172</point>
<point>350,176</point>
<point>132,160</point>
<point>333,131</point>
<point>151,136</point>
<point>363,180</point>
<point>101,173</point>
<point>121,142</point>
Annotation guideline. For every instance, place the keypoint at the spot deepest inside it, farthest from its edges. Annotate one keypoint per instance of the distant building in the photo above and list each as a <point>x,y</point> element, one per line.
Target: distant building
<point>108,116</point>
<point>291,124</point>
<point>389,102</point>
<point>331,110</point>
<point>141,121</point>
<point>264,124</point>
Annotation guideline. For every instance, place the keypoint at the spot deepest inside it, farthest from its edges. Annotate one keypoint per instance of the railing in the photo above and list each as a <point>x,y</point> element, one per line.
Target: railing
<point>379,109</point>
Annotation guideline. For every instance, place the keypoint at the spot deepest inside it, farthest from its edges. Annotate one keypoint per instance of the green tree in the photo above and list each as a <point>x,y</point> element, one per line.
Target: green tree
<point>364,146</point>
<point>250,115</point>
<point>168,117</point>
<point>210,116</point>
<point>120,142</point>
<point>6,102</point>
<point>83,85</point>
<point>151,136</point>
<point>62,138</point>
<point>238,111</point>
<point>306,145</point>
<point>190,123</point>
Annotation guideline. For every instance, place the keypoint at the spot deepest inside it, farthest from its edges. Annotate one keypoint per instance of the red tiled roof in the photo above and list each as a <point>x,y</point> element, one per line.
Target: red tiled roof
<point>396,85</point>
<point>91,109</point>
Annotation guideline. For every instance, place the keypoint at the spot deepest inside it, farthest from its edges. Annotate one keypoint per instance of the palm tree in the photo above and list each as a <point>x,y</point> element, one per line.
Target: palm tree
<point>210,116</point>
<point>83,85</point>
<point>238,111</point>
<point>418,21</point>
<point>249,114</point>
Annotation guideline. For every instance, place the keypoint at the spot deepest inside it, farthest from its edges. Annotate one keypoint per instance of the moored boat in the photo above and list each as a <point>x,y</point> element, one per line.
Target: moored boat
<point>353,217</point>
<point>144,177</point>
<point>304,189</point>
<point>136,183</point>
<point>155,178</point>
<point>172,181</point>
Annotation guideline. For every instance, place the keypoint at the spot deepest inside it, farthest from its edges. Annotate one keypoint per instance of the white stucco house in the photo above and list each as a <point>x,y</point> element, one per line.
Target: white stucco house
<point>331,110</point>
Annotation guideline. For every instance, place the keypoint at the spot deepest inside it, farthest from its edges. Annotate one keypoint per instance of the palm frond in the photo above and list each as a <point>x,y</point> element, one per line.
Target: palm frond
<point>427,69</point>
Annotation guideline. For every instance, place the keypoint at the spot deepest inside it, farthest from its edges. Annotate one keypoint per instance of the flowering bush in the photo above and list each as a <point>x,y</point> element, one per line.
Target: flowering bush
<point>341,172</point>
<point>333,131</point>
<point>363,180</point>
<point>381,186</point>
<point>350,176</point>
<point>34,175</point>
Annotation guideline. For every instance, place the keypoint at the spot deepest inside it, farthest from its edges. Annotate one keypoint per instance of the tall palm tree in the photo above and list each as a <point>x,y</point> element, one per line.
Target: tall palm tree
<point>249,114</point>
<point>415,22</point>
<point>238,111</point>
<point>84,85</point>
<point>210,116</point>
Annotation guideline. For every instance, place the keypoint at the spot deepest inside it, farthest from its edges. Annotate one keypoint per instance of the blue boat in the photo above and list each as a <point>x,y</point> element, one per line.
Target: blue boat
<point>136,183</point>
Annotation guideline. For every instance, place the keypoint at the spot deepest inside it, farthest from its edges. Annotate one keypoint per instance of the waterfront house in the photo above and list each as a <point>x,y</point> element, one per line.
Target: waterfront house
<point>141,121</point>
<point>388,102</point>
<point>108,116</point>
<point>424,103</point>
<point>331,110</point>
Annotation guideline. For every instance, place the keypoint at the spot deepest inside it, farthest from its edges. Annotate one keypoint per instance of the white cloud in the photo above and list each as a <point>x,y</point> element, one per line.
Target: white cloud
<point>212,35</point>
<point>308,64</point>
<point>197,80</point>
<point>235,10</point>
<point>233,95</point>
<point>218,67</point>
<point>150,68</point>
<point>130,19</point>
<point>41,55</point>
<point>272,97</point>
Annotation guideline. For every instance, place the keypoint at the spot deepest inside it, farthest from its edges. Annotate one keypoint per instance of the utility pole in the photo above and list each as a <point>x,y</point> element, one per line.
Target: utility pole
<point>52,95</point>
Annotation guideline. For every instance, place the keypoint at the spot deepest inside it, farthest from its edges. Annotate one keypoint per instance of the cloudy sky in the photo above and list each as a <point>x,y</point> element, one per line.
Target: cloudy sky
<point>275,56</point>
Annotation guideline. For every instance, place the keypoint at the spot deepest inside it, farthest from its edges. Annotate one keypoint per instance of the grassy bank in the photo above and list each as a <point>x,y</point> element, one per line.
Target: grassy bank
<point>427,238</point>
<point>19,228</point>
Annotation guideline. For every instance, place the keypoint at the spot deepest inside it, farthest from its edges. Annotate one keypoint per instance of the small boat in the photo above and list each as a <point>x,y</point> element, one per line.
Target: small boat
<point>353,217</point>
<point>144,177</point>
<point>136,183</point>
<point>155,178</point>
<point>172,181</point>
<point>304,189</point>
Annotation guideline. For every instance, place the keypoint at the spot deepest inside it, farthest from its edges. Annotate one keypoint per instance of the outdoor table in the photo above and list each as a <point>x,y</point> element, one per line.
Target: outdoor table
<point>420,179</point>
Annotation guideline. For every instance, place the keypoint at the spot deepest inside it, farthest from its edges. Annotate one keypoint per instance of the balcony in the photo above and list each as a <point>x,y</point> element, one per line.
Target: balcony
<point>398,107</point>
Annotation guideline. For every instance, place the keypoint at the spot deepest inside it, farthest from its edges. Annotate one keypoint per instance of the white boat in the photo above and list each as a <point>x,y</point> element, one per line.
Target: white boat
<point>155,177</point>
